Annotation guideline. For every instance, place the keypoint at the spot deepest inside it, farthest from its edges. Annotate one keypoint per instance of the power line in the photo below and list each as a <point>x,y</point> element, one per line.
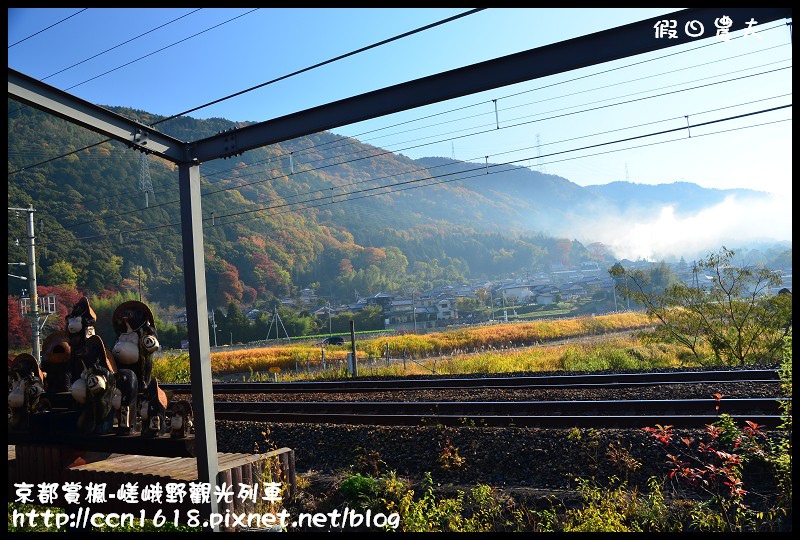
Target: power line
<point>320,64</point>
<point>609,70</point>
<point>317,146</point>
<point>560,152</point>
<point>365,157</point>
<point>121,44</point>
<point>491,129</point>
<point>515,125</point>
<point>252,88</point>
<point>162,49</point>
<point>324,201</point>
<point>481,173</point>
<point>513,119</point>
<point>314,147</point>
<point>386,152</point>
<point>48,28</point>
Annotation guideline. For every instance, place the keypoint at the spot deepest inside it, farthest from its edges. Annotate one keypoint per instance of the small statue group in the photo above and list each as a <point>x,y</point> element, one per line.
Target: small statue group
<point>110,388</point>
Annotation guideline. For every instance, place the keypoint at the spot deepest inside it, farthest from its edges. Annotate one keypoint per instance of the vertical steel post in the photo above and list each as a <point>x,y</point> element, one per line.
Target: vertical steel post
<point>197,323</point>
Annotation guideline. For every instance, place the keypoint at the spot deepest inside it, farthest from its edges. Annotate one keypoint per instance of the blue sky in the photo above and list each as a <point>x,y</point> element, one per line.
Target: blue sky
<point>213,52</point>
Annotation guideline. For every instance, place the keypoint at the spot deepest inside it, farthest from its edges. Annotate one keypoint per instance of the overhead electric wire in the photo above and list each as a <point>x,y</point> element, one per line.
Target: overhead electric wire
<point>348,138</point>
<point>117,46</point>
<point>295,153</point>
<point>48,28</point>
<point>365,157</point>
<point>478,167</point>
<point>320,64</point>
<point>483,172</point>
<point>493,124</point>
<point>340,163</point>
<point>162,49</point>
<point>120,45</point>
<point>387,152</point>
<point>261,85</point>
<point>562,82</point>
<point>96,144</point>
<point>682,128</point>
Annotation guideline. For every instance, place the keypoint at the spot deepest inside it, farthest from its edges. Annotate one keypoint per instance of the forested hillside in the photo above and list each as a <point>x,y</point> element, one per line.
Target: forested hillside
<point>322,211</point>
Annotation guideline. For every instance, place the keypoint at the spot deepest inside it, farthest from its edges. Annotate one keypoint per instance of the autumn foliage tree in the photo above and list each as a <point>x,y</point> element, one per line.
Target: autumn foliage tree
<point>20,335</point>
<point>19,329</point>
<point>735,313</point>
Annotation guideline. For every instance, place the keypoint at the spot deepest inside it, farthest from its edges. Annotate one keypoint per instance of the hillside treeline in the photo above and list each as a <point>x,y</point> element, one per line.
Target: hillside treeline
<point>271,227</point>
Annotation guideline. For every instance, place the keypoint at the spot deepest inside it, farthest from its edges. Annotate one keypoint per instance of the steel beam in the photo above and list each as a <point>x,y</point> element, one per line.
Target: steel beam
<point>35,93</point>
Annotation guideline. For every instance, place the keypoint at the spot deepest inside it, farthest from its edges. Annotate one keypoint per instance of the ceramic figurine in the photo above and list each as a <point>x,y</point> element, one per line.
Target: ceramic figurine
<point>153,410</point>
<point>137,340</point>
<point>181,419</point>
<point>94,389</point>
<point>124,401</point>
<point>57,362</point>
<point>80,327</point>
<point>26,387</point>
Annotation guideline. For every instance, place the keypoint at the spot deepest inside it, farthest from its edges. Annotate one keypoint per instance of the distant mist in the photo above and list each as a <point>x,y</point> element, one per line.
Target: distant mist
<point>662,233</point>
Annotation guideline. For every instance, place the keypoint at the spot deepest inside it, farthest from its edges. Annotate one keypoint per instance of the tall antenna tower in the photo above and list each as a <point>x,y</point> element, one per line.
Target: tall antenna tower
<point>452,150</point>
<point>539,165</point>
<point>627,179</point>
<point>145,184</point>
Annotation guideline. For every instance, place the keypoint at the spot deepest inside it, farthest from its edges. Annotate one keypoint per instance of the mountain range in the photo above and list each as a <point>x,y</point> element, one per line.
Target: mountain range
<point>321,211</point>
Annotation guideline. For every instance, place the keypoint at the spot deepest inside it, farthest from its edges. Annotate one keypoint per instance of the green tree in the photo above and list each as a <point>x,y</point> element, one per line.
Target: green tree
<point>294,323</point>
<point>104,273</point>
<point>62,273</point>
<point>369,318</point>
<point>467,307</point>
<point>735,315</point>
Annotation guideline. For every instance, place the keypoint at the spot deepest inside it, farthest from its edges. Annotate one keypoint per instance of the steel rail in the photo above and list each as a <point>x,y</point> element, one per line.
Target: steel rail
<point>598,413</point>
<point>613,380</point>
<point>690,406</point>
<point>560,421</point>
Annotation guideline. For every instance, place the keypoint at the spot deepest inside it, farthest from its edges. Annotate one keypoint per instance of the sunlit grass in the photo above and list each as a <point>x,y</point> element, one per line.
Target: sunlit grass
<point>497,348</point>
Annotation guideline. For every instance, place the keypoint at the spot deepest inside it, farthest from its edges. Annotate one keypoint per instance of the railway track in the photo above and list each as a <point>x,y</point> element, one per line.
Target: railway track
<point>613,380</point>
<point>595,413</point>
<point>462,401</point>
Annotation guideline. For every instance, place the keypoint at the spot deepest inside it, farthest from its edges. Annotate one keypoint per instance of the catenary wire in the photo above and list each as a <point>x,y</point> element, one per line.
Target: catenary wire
<point>269,82</point>
<point>393,187</point>
<point>48,28</point>
<point>269,160</point>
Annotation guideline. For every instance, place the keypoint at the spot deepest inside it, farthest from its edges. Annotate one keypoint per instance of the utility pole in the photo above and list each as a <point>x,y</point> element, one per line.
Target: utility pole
<point>139,270</point>
<point>214,327</point>
<point>32,279</point>
<point>414,310</point>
